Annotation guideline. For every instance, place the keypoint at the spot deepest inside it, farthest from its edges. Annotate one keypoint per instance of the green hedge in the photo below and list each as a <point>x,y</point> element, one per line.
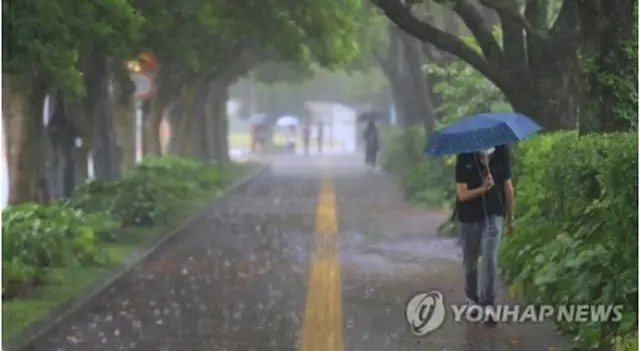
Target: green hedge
<point>426,182</point>
<point>36,239</point>
<point>576,230</point>
<point>576,237</point>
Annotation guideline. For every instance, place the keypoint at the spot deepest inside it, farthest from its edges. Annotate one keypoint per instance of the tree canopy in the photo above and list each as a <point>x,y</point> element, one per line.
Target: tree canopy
<point>539,62</point>
<point>78,50</point>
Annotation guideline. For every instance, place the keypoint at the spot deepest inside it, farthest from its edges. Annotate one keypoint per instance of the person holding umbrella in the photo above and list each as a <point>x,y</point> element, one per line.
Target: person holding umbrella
<point>290,123</point>
<point>484,192</point>
<point>372,144</point>
<point>291,138</point>
<point>256,122</point>
<point>484,198</point>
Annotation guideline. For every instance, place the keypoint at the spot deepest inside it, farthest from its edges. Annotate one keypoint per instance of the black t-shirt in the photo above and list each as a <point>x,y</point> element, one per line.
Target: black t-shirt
<point>471,171</point>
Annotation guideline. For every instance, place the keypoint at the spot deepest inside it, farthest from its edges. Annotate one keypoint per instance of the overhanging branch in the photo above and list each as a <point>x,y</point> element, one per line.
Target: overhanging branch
<point>476,23</point>
<point>405,20</point>
<point>247,58</point>
<point>507,9</point>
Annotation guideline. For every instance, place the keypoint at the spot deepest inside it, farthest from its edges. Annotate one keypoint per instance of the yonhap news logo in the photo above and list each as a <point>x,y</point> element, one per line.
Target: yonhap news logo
<point>426,312</point>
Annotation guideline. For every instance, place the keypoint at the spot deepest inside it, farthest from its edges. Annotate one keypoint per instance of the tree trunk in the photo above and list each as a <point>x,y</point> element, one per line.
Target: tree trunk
<point>125,131</point>
<point>25,139</point>
<point>99,107</point>
<point>610,31</point>
<point>76,113</point>
<point>417,79</point>
<point>200,122</point>
<point>403,69</point>
<point>61,137</point>
<point>549,95</point>
<point>183,142</point>
<point>219,121</point>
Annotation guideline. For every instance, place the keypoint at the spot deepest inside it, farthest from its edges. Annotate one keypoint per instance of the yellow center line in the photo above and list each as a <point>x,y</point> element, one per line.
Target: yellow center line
<point>322,324</point>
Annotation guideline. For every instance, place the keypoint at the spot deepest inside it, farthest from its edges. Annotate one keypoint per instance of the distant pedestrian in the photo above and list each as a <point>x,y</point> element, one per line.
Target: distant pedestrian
<point>306,136</point>
<point>484,197</point>
<point>261,137</point>
<point>320,136</point>
<point>372,144</point>
<point>253,143</point>
<point>291,139</point>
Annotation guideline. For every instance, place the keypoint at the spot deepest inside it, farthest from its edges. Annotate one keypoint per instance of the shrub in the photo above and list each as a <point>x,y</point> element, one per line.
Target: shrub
<point>425,181</point>
<point>150,191</point>
<point>401,148</point>
<point>577,230</point>
<point>36,238</point>
<point>430,183</point>
<point>96,196</point>
<point>577,222</point>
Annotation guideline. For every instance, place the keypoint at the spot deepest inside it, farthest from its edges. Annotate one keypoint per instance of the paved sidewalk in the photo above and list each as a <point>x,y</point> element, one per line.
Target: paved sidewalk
<point>313,255</point>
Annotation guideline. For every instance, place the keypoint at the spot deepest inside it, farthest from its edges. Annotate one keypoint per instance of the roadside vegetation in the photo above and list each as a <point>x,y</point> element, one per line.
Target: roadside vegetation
<point>68,224</point>
<point>52,253</point>
<point>576,203</point>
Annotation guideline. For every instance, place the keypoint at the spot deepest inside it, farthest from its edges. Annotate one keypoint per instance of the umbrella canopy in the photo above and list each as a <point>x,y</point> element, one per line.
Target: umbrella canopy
<point>257,119</point>
<point>480,132</point>
<point>371,116</point>
<point>286,121</point>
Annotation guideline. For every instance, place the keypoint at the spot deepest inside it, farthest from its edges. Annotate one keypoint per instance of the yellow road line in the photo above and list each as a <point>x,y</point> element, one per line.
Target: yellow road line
<point>322,325</point>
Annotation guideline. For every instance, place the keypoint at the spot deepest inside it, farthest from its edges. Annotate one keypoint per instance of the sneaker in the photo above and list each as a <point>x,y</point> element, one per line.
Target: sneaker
<point>474,309</point>
<point>490,319</point>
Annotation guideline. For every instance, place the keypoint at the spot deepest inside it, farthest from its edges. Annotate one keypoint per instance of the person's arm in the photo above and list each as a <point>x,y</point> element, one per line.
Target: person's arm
<point>466,194</point>
<point>462,179</point>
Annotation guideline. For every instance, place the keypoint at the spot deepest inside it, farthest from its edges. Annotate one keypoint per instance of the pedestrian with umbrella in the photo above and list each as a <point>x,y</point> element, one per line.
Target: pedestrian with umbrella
<point>290,123</point>
<point>484,192</point>
<point>372,144</point>
<point>257,122</point>
<point>371,116</point>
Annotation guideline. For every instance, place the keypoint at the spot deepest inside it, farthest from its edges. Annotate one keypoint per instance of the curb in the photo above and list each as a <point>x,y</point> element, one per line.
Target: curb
<point>58,314</point>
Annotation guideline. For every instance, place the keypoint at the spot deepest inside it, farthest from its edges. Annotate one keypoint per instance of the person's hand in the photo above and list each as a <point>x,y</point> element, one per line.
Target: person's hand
<point>510,227</point>
<point>488,183</point>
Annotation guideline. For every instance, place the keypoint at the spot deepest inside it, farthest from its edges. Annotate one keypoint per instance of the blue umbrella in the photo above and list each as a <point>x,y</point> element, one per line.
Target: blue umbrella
<point>480,132</point>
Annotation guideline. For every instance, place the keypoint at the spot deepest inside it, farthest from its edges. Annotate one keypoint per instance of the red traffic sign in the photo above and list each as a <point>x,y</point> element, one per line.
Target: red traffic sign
<point>143,85</point>
<point>147,61</point>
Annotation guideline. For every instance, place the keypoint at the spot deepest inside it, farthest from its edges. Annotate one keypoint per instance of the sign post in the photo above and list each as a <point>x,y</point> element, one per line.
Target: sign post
<point>143,90</point>
<point>142,72</point>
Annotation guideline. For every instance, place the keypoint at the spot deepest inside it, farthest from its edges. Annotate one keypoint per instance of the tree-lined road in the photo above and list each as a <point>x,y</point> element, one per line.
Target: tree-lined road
<point>317,254</point>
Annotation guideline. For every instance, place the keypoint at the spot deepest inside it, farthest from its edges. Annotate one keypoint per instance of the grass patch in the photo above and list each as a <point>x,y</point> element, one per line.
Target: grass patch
<point>66,283</point>
<point>244,139</point>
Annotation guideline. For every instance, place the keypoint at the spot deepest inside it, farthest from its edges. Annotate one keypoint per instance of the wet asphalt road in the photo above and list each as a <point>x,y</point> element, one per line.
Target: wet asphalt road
<point>317,254</point>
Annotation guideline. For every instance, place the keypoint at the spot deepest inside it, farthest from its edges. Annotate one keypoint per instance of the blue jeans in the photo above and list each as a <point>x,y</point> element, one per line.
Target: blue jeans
<point>481,238</point>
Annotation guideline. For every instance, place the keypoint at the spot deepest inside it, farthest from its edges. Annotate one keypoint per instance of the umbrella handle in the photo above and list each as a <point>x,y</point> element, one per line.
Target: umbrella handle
<point>486,162</point>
